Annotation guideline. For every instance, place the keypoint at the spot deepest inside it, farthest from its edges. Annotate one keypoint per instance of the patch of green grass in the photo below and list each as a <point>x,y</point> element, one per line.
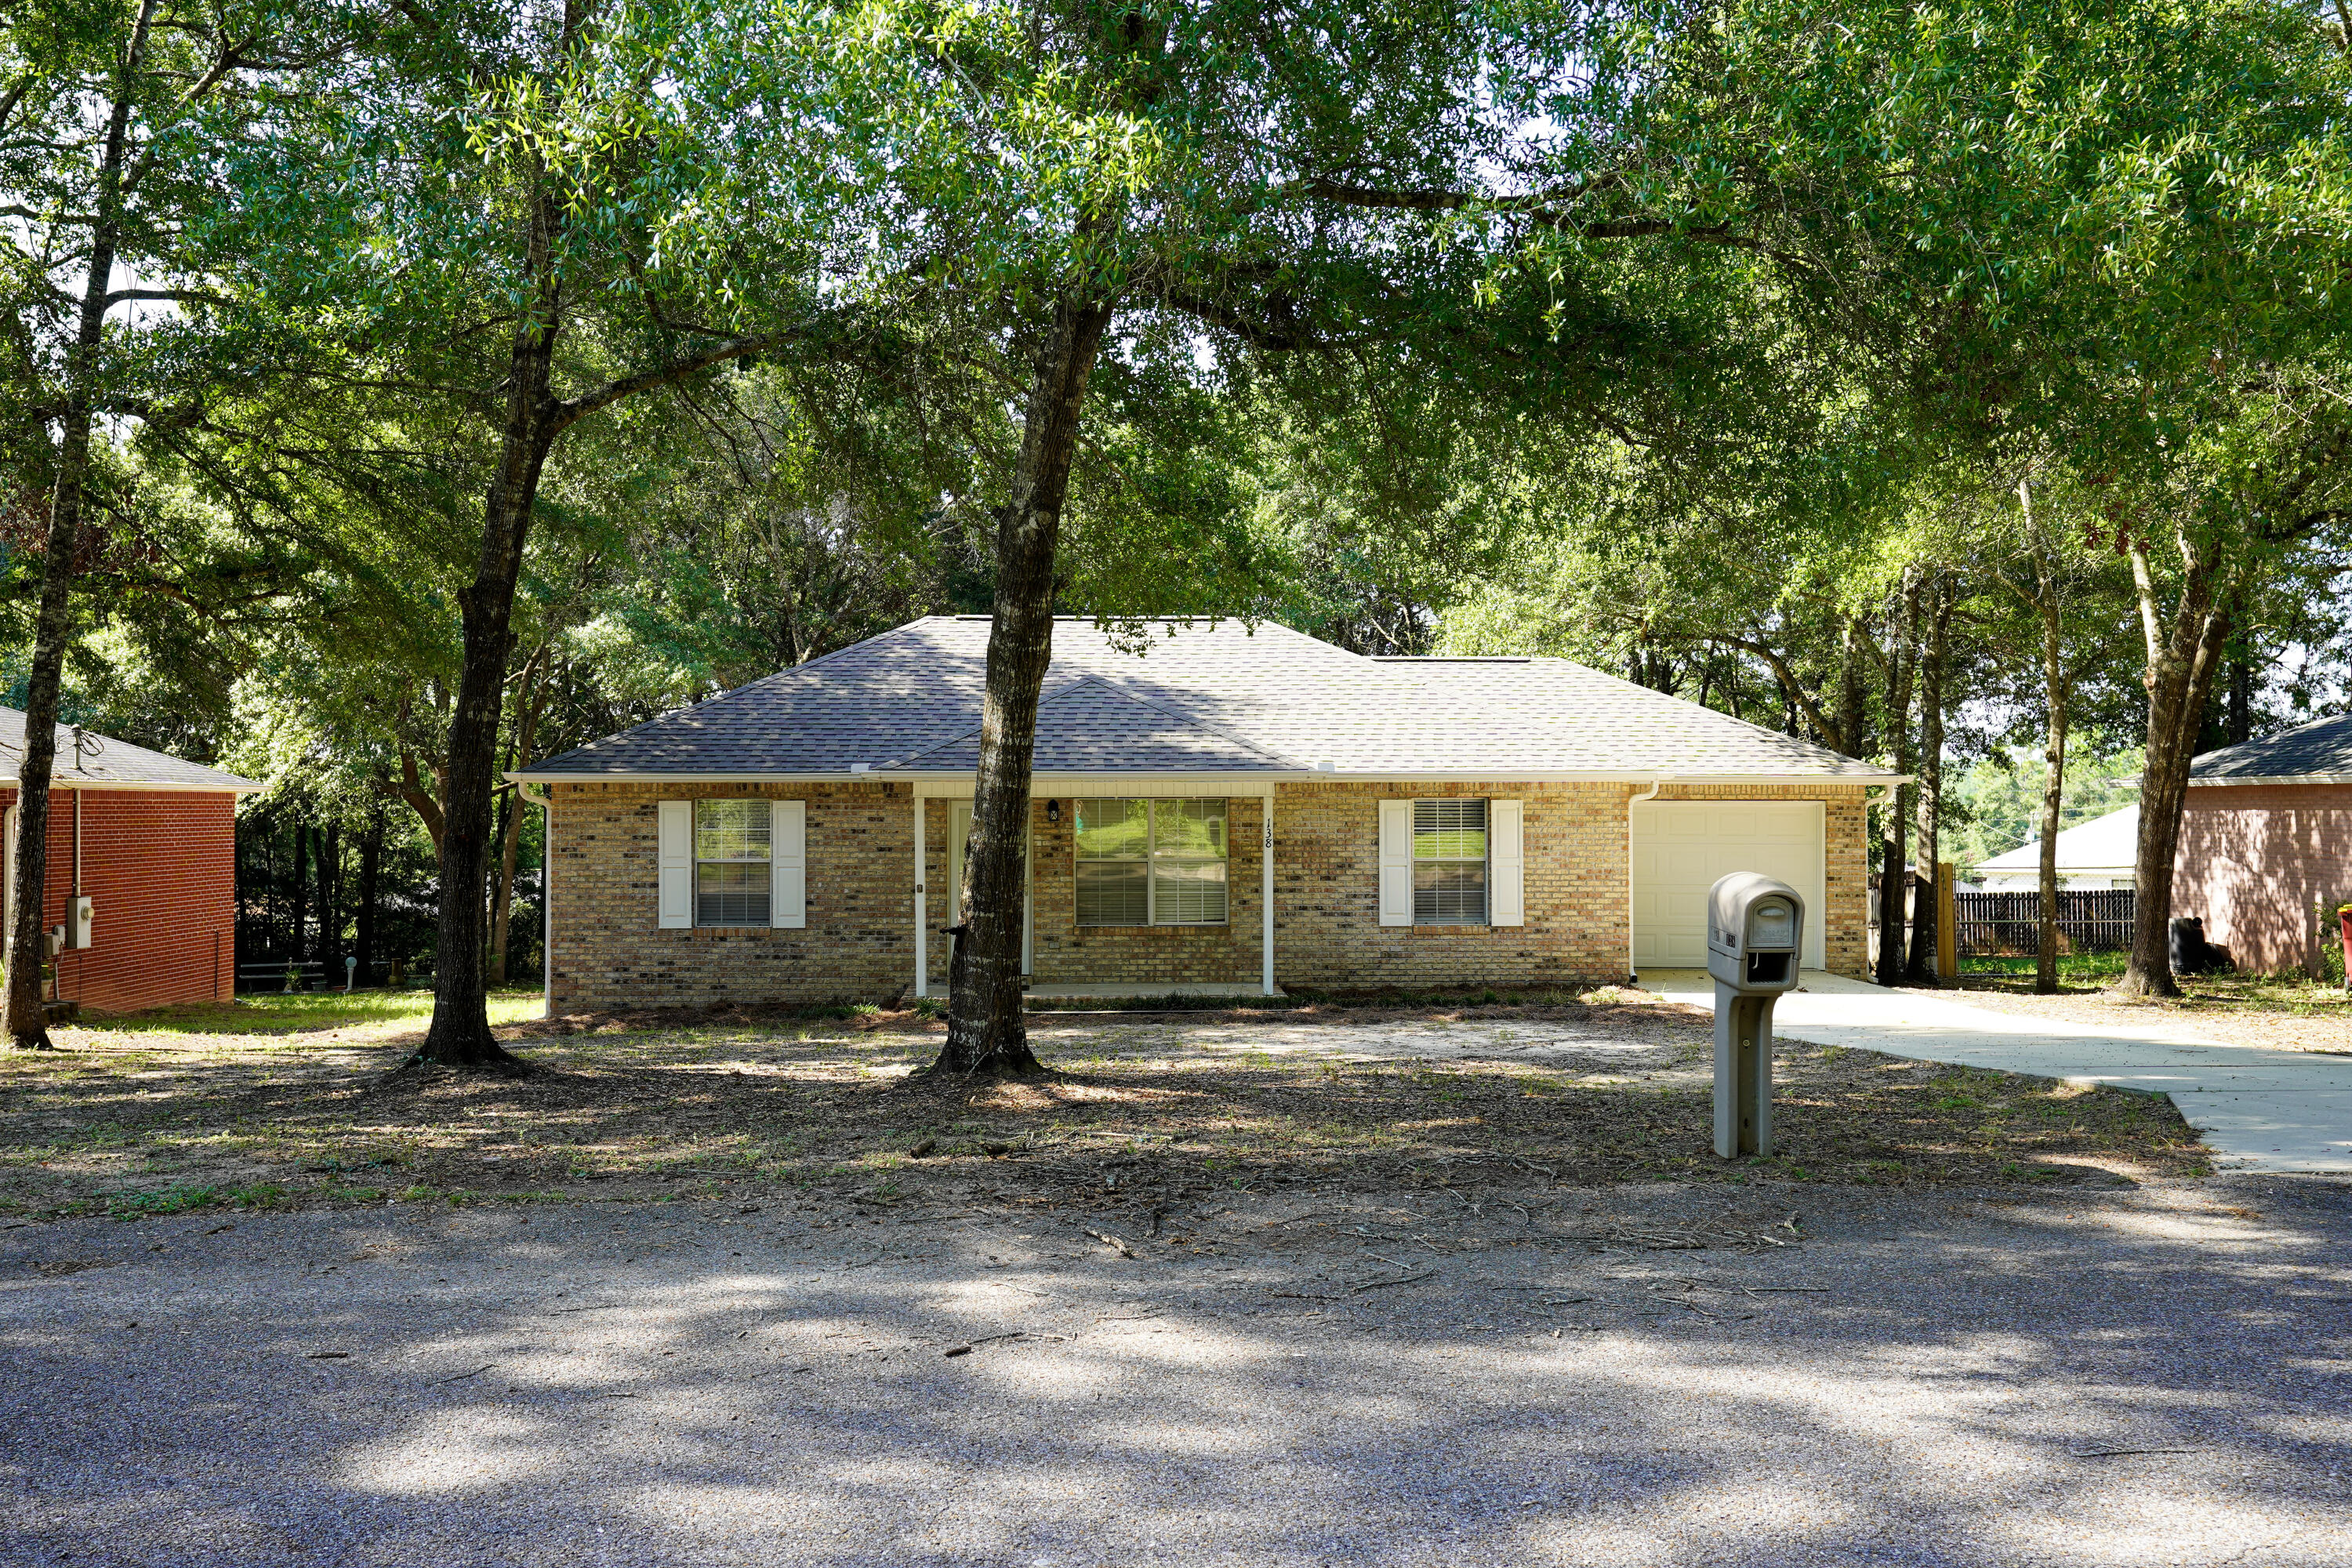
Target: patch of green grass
<point>2075,966</point>
<point>182,1200</point>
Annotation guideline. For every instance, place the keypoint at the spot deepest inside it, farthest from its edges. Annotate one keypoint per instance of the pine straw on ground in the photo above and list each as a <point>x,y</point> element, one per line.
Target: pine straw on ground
<point>736,1104</point>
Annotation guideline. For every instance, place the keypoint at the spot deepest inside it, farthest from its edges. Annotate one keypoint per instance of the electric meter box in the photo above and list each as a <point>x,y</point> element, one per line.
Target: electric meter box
<point>78,921</point>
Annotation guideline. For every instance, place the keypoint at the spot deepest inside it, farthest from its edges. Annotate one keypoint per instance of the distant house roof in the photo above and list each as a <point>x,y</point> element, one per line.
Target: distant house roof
<point>2103,844</point>
<point>1200,697</point>
<point>2318,752</point>
<point>100,762</point>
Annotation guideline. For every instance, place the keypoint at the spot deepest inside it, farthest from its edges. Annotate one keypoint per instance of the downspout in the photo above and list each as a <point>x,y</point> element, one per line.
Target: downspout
<point>546,892</point>
<point>1633,972</point>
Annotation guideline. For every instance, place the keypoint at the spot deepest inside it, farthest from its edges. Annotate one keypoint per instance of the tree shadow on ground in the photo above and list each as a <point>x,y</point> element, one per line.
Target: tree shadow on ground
<point>1914,1377</point>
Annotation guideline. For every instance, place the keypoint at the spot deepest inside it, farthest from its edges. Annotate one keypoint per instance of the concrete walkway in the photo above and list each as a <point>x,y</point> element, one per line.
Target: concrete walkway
<point>2282,1111</point>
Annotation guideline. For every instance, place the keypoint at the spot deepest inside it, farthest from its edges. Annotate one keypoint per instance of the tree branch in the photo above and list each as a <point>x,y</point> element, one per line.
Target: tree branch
<point>572,411</point>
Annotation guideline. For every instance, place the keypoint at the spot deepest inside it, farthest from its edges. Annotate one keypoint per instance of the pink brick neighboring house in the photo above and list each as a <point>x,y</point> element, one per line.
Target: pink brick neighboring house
<point>1228,808</point>
<point>2266,845</point>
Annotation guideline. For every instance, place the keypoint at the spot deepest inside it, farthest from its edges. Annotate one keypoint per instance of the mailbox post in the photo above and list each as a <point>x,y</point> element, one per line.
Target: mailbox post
<point>1754,933</point>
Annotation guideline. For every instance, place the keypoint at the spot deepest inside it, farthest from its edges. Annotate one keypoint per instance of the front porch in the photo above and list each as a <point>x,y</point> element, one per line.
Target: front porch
<point>1066,959</point>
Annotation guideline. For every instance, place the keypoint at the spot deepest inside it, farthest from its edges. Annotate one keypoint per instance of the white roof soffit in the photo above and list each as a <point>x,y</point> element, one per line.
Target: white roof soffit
<point>2282,779</point>
<point>1872,778</point>
<point>144,786</point>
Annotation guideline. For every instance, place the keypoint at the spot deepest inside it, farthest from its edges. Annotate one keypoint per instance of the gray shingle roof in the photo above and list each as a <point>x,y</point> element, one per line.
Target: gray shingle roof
<point>2322,749</point>
<point>1199,697</point>
<point>1089,726</point>
<point>104,762</point>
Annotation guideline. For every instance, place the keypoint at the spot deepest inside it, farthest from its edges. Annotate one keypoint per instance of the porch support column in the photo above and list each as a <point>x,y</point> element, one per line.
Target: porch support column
<point>1265,893</point>
<point>922,922</point>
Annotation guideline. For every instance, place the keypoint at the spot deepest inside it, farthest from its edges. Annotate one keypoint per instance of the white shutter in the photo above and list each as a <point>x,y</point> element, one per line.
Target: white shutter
<point>1506,864</point>
<point>1396,862</point>
<point>788,864</point>
<point>677,863</point>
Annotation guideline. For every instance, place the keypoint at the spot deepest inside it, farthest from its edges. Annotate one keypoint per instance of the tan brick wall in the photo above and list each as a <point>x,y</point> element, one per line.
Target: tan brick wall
<point>1065,953</point>
<point>859,940</point>
<point>1328,928</point>
<point>1847,880</point>
<point>2255,858</point>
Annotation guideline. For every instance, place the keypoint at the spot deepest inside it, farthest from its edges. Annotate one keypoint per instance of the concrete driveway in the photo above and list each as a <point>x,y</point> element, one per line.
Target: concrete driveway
<point>2277,1111</point>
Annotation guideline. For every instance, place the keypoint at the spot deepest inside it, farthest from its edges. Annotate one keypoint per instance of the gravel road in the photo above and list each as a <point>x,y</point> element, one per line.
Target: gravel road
<point>1637,1376</point>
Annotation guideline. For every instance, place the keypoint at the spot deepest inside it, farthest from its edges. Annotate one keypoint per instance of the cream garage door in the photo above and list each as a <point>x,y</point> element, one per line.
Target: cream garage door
<point>1681,847</point>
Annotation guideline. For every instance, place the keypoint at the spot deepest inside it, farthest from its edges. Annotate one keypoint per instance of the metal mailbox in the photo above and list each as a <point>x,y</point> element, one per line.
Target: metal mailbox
<point>1755,937</point>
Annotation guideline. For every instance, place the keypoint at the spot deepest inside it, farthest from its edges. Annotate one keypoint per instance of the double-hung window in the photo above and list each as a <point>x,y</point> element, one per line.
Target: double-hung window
<point>733,851</point>
<point>1151,862</point>
<point>1449,862</point>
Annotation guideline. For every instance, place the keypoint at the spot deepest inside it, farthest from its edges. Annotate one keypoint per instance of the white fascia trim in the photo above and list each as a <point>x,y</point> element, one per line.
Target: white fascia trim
<point>2274,780</point>
<point>1106,782</point>
<point>1503,775</point>
<point>837,775</point>
<point>243,786</point>
<point>959,786</point>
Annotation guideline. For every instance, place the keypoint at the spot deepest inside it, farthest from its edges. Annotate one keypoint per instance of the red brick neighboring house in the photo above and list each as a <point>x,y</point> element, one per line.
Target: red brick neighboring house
<point>151,841</point>
<point>2266,845</point>
<point>1236,809</point>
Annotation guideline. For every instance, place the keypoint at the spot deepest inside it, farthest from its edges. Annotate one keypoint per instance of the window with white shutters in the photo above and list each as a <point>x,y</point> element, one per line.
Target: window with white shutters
<point>1151,862</point>
<point>732,850</point>
<point>1449,862</point>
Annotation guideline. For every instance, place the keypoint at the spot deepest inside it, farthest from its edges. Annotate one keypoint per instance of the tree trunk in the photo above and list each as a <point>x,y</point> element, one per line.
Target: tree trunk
<point>987,1028</point>
<point>1852,693</point>
<point>2184,653</point>
<point>460,1033</point>
<point>2054,783</point>
<point>299,898</point>
<point>2238,722</point>
<point>1895,877</point>
<point>510,815</point>
<point>371,866</point>
<point>53,621</point>
<point>1927,917</point>
<point>331,904</point>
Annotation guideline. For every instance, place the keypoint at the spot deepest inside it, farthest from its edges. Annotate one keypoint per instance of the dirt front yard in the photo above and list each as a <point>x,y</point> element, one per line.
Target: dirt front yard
<point>239,1107</point>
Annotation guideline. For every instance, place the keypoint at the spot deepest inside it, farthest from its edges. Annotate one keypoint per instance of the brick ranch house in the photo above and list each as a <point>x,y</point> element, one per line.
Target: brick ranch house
<point>1233,809</point>
<point>2266,845</point>
<point>150,840</point>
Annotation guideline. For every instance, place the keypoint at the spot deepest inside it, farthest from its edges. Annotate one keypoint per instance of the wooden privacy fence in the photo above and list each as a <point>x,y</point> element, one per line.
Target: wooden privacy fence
<point>1988,925</point>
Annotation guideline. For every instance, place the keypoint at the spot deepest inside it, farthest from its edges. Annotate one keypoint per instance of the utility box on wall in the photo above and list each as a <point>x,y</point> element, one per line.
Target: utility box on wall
<point>77,921</point>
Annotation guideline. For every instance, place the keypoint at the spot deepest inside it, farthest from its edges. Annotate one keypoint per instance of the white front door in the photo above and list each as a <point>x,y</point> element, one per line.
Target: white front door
<point>1681,847</point>
<point>960,830</point>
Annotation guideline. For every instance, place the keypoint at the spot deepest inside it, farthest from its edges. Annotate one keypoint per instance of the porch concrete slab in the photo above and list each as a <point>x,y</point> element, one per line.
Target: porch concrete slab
<point>1129,991</point>
<point>2282,1111</point>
